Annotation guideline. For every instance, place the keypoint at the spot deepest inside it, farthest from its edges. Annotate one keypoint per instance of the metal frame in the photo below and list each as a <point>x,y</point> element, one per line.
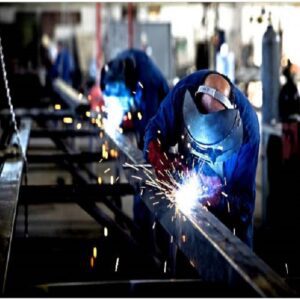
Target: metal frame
<point>10,181</point>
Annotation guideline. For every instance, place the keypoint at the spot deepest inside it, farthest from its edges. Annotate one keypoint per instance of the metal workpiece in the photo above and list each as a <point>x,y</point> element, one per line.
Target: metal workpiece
<point>10,181</point>
<point>39,113</point>
<point>72,98</point>
<point>214,251</point>
<point>72,193</point>
<point>217,254</point>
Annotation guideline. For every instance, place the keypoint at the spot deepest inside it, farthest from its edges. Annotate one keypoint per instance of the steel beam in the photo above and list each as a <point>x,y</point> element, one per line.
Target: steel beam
<point>173,288</point>
<point>10,181</point>
<point>64,133</point>
<point>39,113</point>
<point>74,100</point>
<point>83,157</point>
<point>42,194</point>
<point>217,254</point>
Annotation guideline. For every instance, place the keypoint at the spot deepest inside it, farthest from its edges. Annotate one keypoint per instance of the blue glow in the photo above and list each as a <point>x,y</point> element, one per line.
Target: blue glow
<point>118,102</point>
<point>196,189</point>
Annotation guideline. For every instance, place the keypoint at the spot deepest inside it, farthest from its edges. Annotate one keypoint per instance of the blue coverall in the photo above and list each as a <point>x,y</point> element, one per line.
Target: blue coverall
<point>145,80</point>
<point>239,169</point>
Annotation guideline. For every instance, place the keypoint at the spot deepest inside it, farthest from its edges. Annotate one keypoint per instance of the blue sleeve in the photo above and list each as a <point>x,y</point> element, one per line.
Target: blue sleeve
<point>240,201</point>
<point>166,120</point>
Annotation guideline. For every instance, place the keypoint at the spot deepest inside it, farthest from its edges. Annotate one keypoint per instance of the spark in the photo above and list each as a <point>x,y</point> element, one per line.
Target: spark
<point>95,252</point>
<point>105,231</point>
<point>130,166</point>
<point>159,193</point>
<point>165,267</point>
<point>117,179</point>
<point>117,264</point>
<point>101,160</point>
<point>224,194</point>
<point>111,180</point>
<point>155,203</point>
<point>153,226</point>
<point>286,268</point>
<point>57,107</point>
<point>183,237</point>
<point>88,113</point>
<point>99,180</point>
<point>139,115</point>
<point>137,177</point>
<point>233,231</point>
<point>228,207</point>
<point>104,152</point>
<point>92,262</point>
<point>172,239</point>
<point>140,84</point>
<point>158,131</point>
<point>78,126</point>
<point>107,170</point>
<point>67,120</point>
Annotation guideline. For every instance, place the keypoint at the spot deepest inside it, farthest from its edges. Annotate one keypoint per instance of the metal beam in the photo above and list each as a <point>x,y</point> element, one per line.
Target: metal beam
<point>64,133</point>
<point>10,181</point>
<point>76,101</point>
<point>83,157</point>
<point>173,288</point>
<point>211,248</point>
<point>38,113</point>
<point>42,194</point>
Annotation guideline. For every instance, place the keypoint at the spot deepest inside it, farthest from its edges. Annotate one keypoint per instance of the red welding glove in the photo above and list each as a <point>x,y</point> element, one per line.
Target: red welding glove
<point>96,98</point>
<point>213,185</point>
<point>163,163</point>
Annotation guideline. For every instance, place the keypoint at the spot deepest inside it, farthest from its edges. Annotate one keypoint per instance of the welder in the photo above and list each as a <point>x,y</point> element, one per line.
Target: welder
<point>132,83</point>
<point>210,126</point>
<point>138,84</point>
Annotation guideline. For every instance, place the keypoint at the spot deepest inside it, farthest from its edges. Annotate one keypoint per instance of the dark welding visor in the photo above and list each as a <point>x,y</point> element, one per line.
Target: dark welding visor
<point>217,135</point>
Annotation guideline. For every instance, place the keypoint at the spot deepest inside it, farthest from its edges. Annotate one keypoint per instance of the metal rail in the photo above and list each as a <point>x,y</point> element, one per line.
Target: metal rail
<point>75,101</point>
<point>212,249</point>
<point>10,181</point>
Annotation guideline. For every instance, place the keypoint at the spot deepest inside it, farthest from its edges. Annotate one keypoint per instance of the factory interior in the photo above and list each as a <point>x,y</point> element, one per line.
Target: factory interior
<point>90,206</point>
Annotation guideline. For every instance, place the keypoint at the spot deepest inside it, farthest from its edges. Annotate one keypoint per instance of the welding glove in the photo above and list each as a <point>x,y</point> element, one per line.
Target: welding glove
<point>165,165</point>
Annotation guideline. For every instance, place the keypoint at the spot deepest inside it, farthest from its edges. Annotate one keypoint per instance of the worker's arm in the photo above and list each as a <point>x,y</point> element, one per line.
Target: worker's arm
<point>165,125</point>
<point>237,208</point>
<point>163,130</point>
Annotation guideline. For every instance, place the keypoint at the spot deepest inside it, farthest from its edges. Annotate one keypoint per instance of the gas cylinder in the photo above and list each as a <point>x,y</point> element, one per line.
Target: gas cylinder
<point>270,74</point>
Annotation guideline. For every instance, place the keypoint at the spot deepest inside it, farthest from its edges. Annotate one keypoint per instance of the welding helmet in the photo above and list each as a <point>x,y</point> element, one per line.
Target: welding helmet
<point>214,136</point>
<point>120,70</point>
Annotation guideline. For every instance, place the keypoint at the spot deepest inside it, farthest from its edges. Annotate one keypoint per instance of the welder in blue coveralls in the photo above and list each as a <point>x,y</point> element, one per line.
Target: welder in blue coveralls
<point>134,79</point>
<point>134,75</point>
<point>217,132</point>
